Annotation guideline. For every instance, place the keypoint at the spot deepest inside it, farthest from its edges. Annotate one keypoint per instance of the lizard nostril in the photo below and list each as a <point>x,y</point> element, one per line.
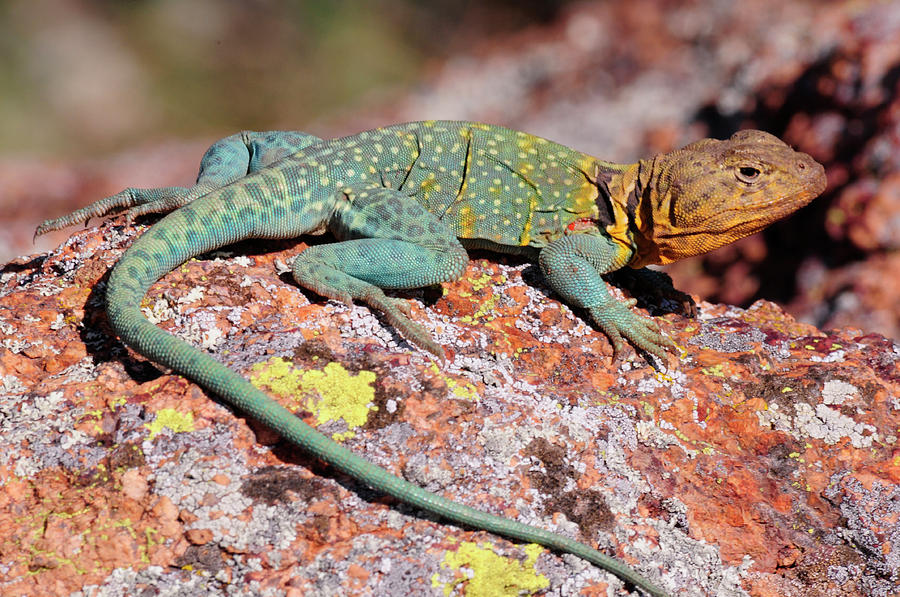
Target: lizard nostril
<point>801,165</point>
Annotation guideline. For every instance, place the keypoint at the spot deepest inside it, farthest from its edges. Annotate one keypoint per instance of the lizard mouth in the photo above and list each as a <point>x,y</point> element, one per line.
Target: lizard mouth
<point>818,185</point>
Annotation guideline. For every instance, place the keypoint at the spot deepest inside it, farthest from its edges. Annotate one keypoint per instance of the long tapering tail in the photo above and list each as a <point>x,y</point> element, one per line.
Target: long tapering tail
<point>173,241</point>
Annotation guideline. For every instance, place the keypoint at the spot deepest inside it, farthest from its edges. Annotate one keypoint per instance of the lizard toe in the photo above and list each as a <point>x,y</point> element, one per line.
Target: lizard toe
<point>401,305</point>
<point>397,312</point>
<point>619,323</point>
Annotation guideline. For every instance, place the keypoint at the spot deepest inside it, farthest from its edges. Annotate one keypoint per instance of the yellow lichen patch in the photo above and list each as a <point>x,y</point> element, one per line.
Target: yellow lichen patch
<point>487,574</point>
<point>465,391</point>
<point>169,418</point>
<point>331,394</point>
<point>482,282</point>
<point>486,308</point>
<point>716,370</point>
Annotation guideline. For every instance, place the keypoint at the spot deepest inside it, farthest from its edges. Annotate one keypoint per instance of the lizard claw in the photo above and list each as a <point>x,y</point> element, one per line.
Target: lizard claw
<point>619,323</point>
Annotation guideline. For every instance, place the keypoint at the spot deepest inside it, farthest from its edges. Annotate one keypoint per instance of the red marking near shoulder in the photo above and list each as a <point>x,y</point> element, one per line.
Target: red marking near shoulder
<point>580,223</point>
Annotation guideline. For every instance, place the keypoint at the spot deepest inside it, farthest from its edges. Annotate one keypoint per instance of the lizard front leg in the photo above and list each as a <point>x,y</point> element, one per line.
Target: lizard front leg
<point>573,266</point>
<point>388,241</point>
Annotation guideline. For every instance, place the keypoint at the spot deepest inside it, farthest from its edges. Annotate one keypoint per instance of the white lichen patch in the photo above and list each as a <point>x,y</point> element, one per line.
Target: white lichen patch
<point>159,311</point>
<point>835,356</point>
<point>14,344</point>
<point>652,435</point>
<point>58,323</point>
<point>425,472</point>
<point>502,442</point>
<point>194,294</point>
<point>10,384</point>
<point>830,426</point>
<point>43,423</point>
<point>837,391</point>
<point>203,326</point>
<point>80,372</point>
<point>822,422</point>
<point>237,522</point>
<point>531,323</point>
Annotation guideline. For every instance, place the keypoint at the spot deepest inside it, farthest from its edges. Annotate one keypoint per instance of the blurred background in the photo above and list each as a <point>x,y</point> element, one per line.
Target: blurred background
<point>99,95</point>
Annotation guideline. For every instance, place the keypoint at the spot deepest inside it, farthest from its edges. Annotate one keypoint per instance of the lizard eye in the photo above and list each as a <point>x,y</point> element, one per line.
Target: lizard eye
<point>747,174</point>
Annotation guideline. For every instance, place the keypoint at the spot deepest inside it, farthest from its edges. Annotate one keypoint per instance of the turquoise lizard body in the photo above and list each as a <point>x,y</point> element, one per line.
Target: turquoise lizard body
<point>405,201</point>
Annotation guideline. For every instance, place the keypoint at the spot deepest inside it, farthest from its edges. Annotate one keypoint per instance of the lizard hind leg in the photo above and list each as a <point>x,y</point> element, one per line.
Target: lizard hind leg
<point>224,162</point>
<point>130,199</point>
<point>388,240</point>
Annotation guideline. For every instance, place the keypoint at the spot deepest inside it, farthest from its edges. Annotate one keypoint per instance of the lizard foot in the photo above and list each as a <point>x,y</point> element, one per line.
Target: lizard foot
<point>159,206</point>
<point>619,323</point>
<point>160,201</point>
<point>397,312</point>
<point>135,201</point>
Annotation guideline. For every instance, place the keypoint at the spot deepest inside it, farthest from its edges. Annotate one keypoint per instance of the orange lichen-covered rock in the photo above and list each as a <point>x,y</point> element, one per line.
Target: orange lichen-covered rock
<point>764,458</point>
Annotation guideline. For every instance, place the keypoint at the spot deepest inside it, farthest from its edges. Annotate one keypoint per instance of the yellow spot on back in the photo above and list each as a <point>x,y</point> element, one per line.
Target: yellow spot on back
<point>466,221</point>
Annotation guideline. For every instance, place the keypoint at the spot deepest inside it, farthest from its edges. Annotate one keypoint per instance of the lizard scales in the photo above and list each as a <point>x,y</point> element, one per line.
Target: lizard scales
<point>403,202</point>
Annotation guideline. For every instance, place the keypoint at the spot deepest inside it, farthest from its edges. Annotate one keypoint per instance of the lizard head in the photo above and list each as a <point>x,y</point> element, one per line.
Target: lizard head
<point>711,193</point>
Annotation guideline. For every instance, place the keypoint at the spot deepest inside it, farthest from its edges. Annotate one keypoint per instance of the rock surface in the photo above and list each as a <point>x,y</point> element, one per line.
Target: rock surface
<point>763,461</point>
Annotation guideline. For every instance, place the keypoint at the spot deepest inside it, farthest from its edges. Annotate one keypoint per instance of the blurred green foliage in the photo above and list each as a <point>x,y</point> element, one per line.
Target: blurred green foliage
<point>82,76</point>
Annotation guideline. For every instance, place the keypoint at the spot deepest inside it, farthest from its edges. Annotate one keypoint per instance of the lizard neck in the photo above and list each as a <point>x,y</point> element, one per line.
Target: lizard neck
<point>627,191</point>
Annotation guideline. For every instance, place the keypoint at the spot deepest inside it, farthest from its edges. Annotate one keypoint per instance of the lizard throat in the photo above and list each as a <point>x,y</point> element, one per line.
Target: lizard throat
<point>632,213</point>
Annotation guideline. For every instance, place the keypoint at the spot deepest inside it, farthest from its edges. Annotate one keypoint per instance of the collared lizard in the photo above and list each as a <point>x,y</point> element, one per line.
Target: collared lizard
<point>405,201</point>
